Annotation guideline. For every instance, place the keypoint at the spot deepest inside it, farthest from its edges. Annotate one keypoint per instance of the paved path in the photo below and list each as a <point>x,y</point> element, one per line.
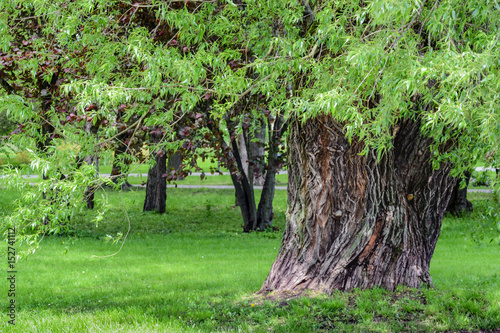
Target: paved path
<point>480,190</point>
<point>145,174</point>
<point>208,174</point>
<point>282,188</point>
<point>229,187</point>
<point>485,169</point>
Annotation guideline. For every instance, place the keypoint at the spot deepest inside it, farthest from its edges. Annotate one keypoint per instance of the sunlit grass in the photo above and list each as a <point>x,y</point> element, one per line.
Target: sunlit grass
<point>225,179</point>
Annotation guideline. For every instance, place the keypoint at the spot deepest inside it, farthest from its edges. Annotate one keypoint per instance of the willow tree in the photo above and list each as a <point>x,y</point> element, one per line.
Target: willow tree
<point>384,101</point>
<point>401,93</point>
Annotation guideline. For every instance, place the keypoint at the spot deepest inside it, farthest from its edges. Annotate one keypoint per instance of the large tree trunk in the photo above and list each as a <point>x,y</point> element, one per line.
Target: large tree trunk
<point>156,188</point>
<point>353,221</point>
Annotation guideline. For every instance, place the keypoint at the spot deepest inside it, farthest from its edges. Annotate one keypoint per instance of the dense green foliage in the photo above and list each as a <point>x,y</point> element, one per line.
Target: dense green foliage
<point>153,64</point>
<point>188,272</point>
<point>6,125</point>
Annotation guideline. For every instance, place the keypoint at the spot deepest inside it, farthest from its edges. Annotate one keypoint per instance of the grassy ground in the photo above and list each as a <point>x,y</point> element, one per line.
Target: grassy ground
<point>281,180</point>
<point>225,179</point>
<point>193,270</point>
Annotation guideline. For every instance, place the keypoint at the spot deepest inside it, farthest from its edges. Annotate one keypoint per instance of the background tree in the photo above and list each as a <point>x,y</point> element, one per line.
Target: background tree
<point>243,173</point>
<point>156,187</point>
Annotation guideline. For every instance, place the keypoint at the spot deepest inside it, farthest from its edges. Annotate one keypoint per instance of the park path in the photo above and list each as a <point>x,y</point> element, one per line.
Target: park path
<point>145,174</point>
<point>282,188</point>
<point>229,187</point>
<point>198,174</point>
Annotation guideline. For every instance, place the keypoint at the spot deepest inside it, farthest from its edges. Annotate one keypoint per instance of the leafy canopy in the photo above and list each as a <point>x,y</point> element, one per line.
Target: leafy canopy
<point>367,64</point>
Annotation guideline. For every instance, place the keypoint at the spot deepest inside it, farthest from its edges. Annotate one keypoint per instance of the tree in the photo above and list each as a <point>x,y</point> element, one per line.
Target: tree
<point>122,156</point>
<point>243,172</point>
<point>386,103</point>
<point>156,188</point>
<point>368,191</point>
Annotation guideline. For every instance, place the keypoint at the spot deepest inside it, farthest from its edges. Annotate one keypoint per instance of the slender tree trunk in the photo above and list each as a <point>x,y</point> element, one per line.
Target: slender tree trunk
<point>243,185</point>
<point>353,221</point>
<point>156,187</point>
<point>91,159</point>
<point>244,156</point>
<point>258,154</point>
<point>458,202</point>
<point>46,130</point>
<point>252,156</point>
<point>243,153</point>
<point>265,214</point>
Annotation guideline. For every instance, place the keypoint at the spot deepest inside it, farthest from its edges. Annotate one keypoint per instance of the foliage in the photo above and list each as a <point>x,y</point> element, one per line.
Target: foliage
<point>6,125</point>
<point>368,65</point>
<point>482,178</point>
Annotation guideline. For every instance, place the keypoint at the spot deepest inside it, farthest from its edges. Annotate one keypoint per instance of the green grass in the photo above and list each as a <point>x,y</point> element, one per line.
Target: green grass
<point>188,211</point>
<point>134,168</point>
<point>193,270</point>
<point>281,180</point>
<point>144,167</point>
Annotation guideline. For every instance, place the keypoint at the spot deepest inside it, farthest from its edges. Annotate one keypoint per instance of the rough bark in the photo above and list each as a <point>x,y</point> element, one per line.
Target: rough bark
<point>243,191</point>
<point>257,154</point>
<point>156,187</point>
<point>458,203</point>
<point>265,214</point>
<point>252,156</point>
<point>353,221</point>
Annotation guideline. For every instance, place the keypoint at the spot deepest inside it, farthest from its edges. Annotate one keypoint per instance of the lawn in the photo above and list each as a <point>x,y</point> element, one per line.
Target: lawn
<point>192,269</point>
<point>216,179</point>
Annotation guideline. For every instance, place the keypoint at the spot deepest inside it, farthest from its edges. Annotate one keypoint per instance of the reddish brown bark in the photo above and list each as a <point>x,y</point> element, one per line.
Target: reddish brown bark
<point>354,221</point>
